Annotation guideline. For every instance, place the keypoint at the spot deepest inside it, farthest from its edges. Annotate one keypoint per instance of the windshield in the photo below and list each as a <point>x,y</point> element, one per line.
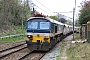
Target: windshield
<point>32,25</point>
<point>44,25</point>
<point>38,25</point>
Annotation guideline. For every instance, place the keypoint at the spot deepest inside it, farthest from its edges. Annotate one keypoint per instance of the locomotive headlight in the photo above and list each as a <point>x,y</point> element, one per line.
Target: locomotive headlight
<point>29,36</point>
<point>46,37</point>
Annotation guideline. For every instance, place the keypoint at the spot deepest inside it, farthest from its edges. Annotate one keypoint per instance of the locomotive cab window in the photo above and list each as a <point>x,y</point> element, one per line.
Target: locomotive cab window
<point>32,25</point>
<point>38,24</point>
<point>44,25</point>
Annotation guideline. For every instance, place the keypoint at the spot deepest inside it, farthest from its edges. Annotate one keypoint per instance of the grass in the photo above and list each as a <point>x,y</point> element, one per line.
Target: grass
<point>79,52</point>
<point>19,29</point>
<point>76,36</point>
<point>12,39</point>
<point>12,31</point>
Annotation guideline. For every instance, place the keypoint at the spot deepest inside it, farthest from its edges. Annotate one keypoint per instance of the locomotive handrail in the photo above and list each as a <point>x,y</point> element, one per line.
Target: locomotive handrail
<point>11,36</point>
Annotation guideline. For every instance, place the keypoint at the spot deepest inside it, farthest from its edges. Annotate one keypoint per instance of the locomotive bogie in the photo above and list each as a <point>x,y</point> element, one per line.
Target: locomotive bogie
<point>45,46</point>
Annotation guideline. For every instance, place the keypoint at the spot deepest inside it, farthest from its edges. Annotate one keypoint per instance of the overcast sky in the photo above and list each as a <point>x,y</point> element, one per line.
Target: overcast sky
<point>57,6</point>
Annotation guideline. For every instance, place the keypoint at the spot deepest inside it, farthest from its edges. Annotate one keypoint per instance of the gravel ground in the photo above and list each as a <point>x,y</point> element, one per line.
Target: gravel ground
<point>55,52</point>
<point>33,56</point>
<point>69,38</point>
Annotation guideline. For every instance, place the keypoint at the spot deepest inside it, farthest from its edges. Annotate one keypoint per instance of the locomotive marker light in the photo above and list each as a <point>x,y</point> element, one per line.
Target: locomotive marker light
<point>46,37</point>
<point>38,35</point>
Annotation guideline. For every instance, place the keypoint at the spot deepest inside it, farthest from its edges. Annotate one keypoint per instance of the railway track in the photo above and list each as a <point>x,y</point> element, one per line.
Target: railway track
<point>12,47</point>
<point>16,49</point>
<point>33,55</point>
<point>25,55</point>
<point>6,52</point>
<point>42,56</point>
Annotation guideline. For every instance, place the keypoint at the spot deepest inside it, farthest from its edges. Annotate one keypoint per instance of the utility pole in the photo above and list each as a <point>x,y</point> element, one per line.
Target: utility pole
<point>73,18</point>
<point>58,16</point>
<point>27,3</point>
<point>22,15</point>
<point>73,21</point>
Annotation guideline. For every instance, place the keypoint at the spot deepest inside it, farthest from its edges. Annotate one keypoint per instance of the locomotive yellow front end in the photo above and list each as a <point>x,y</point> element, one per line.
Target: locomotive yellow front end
<point>38,37</point>
<point>38,41</point>
<point>38,34</point>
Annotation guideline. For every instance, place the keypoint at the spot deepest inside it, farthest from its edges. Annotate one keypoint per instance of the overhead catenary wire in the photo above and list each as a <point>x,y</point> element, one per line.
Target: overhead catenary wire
<point>44,6</point>
<point>47,8</point>
<point>43,10</point>
<point>50,10</point>
<point>40,8</point>
<point>66,12</point>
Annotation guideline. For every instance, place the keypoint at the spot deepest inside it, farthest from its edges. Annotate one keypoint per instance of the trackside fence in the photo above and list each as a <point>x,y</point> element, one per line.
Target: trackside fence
<point>2,37</point>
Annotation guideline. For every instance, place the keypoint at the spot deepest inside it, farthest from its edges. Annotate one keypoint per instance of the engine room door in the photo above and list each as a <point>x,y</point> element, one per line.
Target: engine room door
<point>55,29</point>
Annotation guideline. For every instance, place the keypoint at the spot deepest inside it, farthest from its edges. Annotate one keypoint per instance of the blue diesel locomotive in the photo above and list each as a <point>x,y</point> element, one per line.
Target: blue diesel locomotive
<point>43,32</point>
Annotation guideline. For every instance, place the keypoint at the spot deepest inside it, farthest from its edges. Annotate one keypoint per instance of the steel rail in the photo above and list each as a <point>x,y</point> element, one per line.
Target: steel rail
<point>25,55</point>
<point>11,47</point>
<point>42,56</point>
<point>12,52</point>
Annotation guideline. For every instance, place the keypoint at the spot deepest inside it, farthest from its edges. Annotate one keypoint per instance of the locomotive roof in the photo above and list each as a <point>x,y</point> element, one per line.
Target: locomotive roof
<point>45,17</point>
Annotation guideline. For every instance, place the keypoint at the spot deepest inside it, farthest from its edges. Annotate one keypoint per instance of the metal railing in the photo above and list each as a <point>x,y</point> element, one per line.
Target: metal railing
<point>11,36</point>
